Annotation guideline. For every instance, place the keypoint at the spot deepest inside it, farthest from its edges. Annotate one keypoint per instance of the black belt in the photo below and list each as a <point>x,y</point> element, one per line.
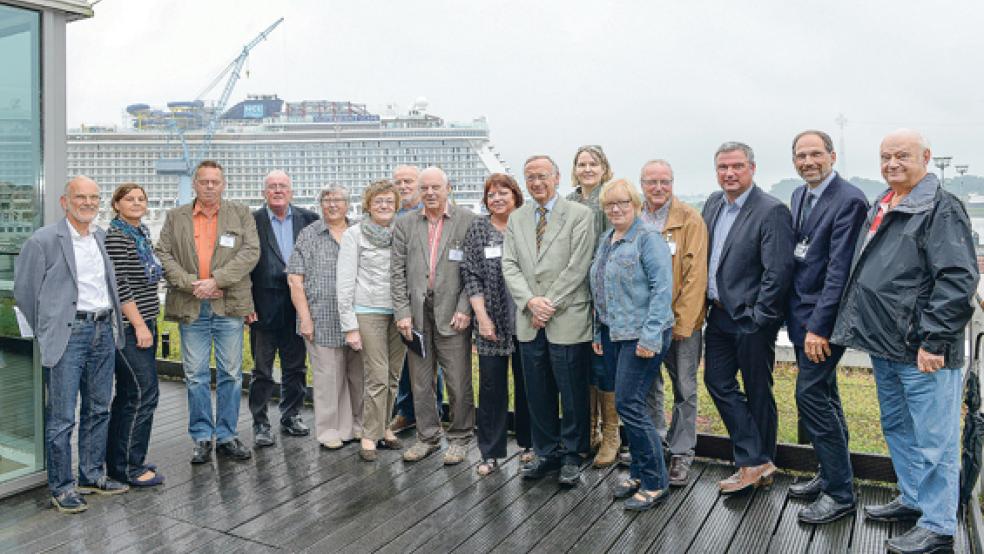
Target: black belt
<point>93,316</point>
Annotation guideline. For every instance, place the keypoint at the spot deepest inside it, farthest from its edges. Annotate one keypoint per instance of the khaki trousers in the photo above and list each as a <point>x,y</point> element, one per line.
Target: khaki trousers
<point>382,358</point>
<point>337,391</point>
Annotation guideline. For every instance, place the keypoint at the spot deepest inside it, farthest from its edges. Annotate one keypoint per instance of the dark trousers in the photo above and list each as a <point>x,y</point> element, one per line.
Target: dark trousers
<point>493,404</point>
<point>750,415</point>
<point>820,411</point>
<point>404,393</point>
<point>265,344</point>
<point>552,370</point>
<point>132,414</point>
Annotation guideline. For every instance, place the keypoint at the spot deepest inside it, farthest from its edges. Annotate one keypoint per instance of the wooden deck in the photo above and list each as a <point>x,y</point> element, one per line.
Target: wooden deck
<point>298,496</point>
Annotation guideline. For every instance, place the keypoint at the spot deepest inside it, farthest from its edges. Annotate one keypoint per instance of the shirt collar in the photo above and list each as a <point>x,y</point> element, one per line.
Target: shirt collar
<point>550,203</point>
<point>445,214</point>
<point>198,208</point>
<point>664,209</point>
<point>273,216</point>
<point>740,201</point>
<point>816,192</point>
<point>75,234</point>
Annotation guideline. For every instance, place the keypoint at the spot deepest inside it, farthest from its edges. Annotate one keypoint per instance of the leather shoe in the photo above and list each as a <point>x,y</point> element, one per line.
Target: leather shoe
<point>262,436</point>
<point>748,477</point>
<point>294,426</point>
<point>919,540</point>
<point>624,459</point>
<point>625,488</point>
<point>893,511</point>
<point>234,449</point>
<point>539,468</point>
<point>825,510</point>
<point>69,502</point>
<point>807,490</point>
<point>570,474</point>
<point>649,500</point>
<point>680,470</point>
<point>202,453</point>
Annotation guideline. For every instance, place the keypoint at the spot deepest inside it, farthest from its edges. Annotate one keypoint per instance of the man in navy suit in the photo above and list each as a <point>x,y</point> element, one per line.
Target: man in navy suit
<point>749,270</point>
<point>827,215</point>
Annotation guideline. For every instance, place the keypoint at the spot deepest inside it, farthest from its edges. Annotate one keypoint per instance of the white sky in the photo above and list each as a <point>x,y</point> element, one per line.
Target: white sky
<point>643,79</point>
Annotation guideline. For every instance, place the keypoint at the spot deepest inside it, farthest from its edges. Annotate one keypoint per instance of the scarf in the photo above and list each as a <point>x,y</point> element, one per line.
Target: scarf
<point>377,235</point>
<point>145,250</point>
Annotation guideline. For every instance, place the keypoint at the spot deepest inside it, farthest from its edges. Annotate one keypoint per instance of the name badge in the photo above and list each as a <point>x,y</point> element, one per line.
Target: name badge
<point>493,252</point>
<point>227,241</point>
<point>672,246</point>
<point>800,251</point>
<point>456,255</point>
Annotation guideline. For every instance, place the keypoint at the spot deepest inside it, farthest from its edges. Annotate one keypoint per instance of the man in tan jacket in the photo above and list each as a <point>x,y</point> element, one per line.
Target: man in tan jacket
<point>207,249</point>
<point>686,235</point>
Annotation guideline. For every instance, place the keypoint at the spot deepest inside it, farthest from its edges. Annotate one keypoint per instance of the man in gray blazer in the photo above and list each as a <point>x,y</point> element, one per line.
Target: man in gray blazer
<point>545,261</point>
<point>65,287</point>
<point>429,298</point>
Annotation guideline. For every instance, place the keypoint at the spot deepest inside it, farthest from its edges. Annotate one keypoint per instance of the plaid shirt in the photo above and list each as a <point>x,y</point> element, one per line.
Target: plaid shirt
<point>316,258</point>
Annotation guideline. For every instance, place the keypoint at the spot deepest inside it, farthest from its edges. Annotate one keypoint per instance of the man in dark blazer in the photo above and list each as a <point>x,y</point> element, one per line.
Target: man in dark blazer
<point>750,267</point>
<point>271,326</point>
<point>827,215</point>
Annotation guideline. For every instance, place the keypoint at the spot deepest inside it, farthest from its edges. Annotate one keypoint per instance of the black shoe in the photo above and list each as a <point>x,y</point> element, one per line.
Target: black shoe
<point>294,426</point>
<point>234,449</point>
<point>650,500</point>
<point>69,502</point>
<point>624,459</point>
<point>893,511</point>
<point>570,474</point>
<point>625,488</point>
<point>824,510</point>
<point>919,540</point>
<point>202,453</point>
<point>262,436</point>
<point>808,490</point>
<point>539,468</point>
<point>104,485</point>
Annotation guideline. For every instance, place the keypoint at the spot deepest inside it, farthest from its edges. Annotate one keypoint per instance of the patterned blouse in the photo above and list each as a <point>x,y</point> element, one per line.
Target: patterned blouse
<point>316,258</point>
<point>482,276</point>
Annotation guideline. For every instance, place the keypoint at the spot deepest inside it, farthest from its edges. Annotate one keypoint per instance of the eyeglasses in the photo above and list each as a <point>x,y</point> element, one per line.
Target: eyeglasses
<point>278,186</point>
<point>623,205</point>
<point>656,182</point>
<point>333,200</point>
<point>534,177</point>
<point>389,201</point>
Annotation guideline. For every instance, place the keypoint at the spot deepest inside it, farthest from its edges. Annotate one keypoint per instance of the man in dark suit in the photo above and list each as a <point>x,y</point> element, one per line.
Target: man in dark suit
<point>750,267</point>
<point>271,326</point>
<point>828,214</point>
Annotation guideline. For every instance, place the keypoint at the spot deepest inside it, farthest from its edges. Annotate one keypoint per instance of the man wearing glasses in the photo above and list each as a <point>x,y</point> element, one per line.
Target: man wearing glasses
<point>545,260</point>
<point>686,236</point>
<point>271,326</point>
<point>750,269</point>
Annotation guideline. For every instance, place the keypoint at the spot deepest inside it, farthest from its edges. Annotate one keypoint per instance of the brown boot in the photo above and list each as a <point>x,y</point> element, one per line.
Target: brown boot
<point>593,433</point>
<point>610,442</point>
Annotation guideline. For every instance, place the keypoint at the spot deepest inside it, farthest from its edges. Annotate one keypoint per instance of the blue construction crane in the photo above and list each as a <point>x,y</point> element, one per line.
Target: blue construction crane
<point>185,165</point>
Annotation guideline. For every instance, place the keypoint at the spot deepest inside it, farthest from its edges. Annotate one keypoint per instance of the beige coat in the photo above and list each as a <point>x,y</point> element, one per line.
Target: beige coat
<point>230,265</point>
<point>558,272</point>
<point>685,228</point>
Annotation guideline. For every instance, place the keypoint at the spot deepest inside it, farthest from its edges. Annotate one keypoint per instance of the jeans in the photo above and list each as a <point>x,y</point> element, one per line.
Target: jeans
<point>920,417</point>
<point>634,377</point>
<point>197,339</point>
<point>681,363</point>
<point>404,394</point>
<point>601,376</point>
<point>86,370</point>
<point>493,404</point>
<point>265,344</point>
<point>133,407</point>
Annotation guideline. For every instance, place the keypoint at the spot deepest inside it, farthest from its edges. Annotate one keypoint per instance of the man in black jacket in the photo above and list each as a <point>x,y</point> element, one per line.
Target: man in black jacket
<point>906,303</point>
<point>271,327</point>
<point>750,266</point>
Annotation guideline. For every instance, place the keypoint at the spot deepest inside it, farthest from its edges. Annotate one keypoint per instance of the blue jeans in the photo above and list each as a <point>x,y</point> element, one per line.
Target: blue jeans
<point>132,414</point>
<point>634,378</point>
<point>86,369</point>
<point>602,377</point>
<point>920,417</point>
<point>196,345</point>
<point>404,395</point>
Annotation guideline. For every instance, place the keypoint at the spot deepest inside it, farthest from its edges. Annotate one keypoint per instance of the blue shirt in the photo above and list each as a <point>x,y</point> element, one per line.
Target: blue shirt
<point>726,218</point>
<point>549,207</point>
<point>283,231</point>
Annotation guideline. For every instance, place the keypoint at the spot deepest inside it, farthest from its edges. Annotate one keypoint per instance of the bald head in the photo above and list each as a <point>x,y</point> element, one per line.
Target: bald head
<point>80,202</point>
<point>434,189</point>
<point>905,156</point>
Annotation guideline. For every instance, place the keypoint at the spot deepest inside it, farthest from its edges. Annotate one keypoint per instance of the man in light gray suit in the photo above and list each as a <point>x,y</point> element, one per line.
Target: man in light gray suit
<point>545,261</point>
<point>429,297</point>
<point>65,287</point>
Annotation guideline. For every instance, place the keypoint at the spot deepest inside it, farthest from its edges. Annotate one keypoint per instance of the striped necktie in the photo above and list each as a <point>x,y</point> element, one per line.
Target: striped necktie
<point>541,226</point>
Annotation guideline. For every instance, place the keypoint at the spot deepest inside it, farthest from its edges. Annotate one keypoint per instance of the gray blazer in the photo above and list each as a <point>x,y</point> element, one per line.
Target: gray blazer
<point>409,269</point>
<point>46,288</point>
<point>558,272</point>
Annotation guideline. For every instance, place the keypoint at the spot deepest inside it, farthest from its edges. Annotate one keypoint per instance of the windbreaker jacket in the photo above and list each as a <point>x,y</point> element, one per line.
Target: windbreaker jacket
<point>686,230</point>
<point>911,284</point>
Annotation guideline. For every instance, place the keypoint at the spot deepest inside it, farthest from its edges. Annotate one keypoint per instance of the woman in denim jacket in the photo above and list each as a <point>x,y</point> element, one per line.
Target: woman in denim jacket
<point>631,280</point>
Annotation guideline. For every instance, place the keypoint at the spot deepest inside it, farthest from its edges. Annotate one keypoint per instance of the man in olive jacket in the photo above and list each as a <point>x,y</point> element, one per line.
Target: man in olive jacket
<point>906,303</point>
<point>208,249</point>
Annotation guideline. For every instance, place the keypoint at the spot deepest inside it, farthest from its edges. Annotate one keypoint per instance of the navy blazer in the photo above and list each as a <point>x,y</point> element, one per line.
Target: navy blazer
<point>818,280</point>
<point>756,265</point>
<point>271,295</point>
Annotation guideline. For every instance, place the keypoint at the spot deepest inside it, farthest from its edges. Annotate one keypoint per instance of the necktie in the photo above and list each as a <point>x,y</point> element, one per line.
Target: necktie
<point>807,206</point>
<point>541,226</point>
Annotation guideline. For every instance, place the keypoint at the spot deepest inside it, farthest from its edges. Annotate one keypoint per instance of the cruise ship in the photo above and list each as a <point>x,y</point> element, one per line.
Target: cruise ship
<point>317,143</point>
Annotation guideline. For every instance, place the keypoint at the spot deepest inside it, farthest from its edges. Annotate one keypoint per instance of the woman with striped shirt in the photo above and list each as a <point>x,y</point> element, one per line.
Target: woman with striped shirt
<point>137,274</point>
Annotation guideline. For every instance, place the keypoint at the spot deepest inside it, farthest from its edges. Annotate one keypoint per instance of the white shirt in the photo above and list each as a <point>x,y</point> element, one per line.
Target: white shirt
<point>91,271</point>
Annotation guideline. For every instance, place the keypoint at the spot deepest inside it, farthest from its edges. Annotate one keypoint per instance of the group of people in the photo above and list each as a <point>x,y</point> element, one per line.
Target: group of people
<point>583,298</point>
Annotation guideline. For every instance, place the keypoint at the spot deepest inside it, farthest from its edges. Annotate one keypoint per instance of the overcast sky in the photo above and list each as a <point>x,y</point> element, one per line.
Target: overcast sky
<point>643,79</point>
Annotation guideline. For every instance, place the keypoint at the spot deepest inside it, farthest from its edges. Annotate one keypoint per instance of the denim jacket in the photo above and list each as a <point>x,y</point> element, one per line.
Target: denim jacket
<point>638,282</point>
